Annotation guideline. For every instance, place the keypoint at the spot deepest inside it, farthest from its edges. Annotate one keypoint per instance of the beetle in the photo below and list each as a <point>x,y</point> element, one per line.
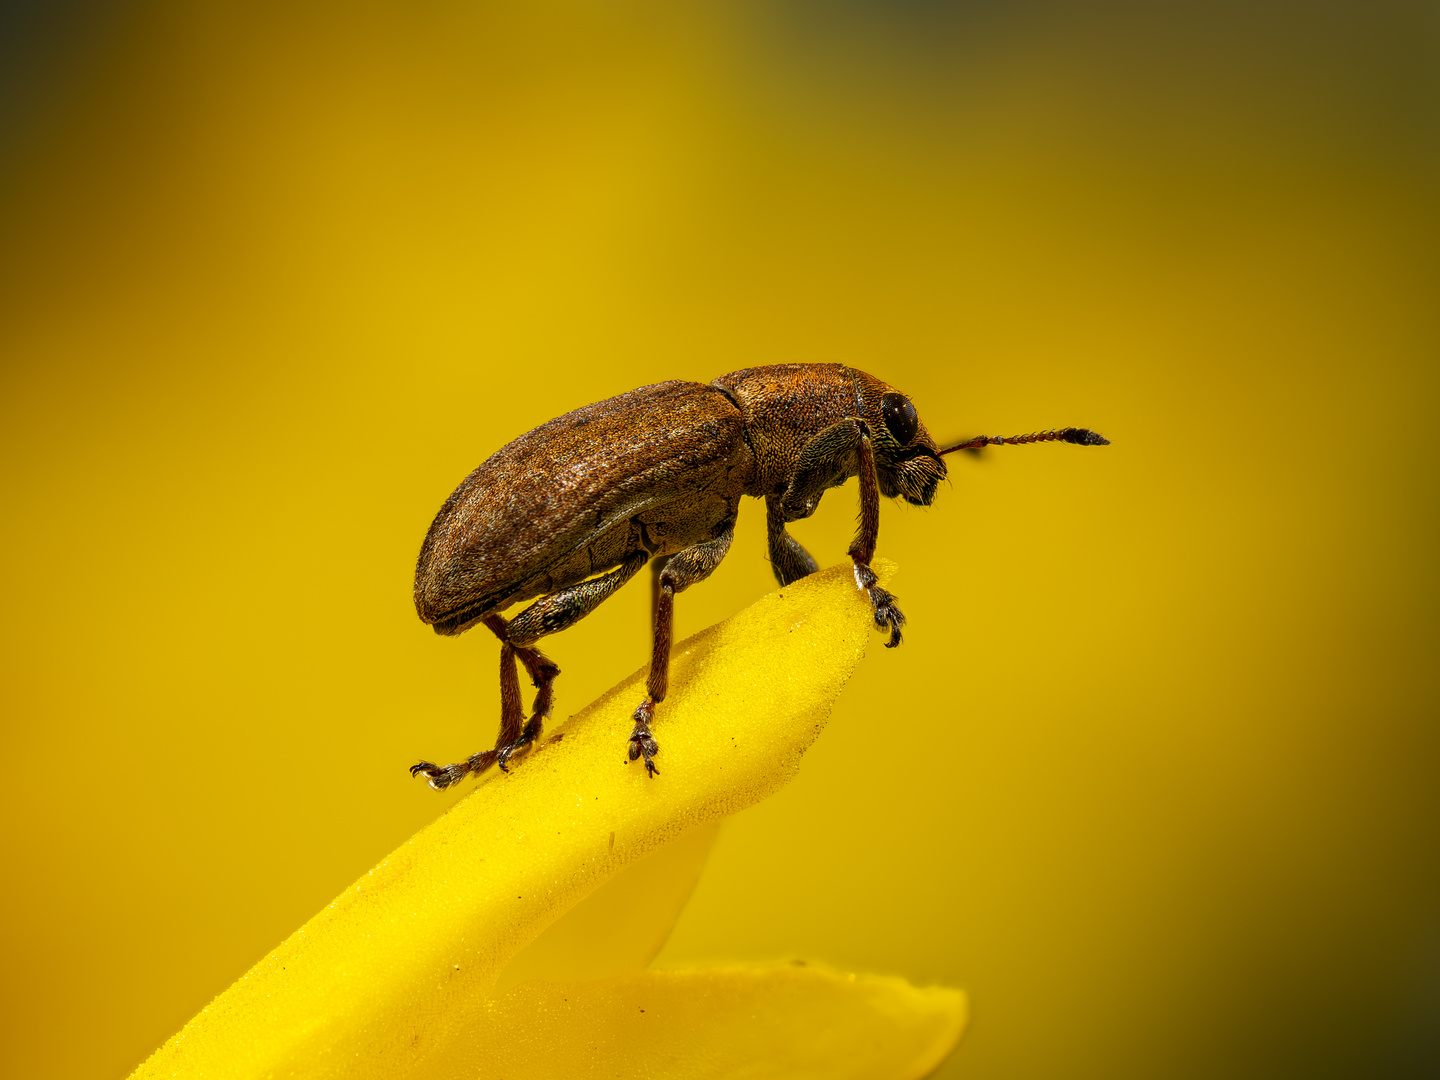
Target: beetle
<point>569,512</point>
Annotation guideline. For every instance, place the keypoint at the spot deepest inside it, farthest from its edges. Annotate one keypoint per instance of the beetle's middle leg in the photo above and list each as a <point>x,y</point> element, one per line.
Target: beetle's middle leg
<point>682,570</point>
<point>788,557</point>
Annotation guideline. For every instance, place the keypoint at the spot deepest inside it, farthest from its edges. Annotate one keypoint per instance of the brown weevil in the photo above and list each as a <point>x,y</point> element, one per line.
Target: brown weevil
<point>572,510</point>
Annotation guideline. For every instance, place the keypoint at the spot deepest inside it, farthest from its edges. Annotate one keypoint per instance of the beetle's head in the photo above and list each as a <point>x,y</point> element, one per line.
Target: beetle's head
<point>907,460</point>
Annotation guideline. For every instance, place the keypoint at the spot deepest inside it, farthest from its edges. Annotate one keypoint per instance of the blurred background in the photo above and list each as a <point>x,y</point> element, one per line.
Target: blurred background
<point>1154,775</point>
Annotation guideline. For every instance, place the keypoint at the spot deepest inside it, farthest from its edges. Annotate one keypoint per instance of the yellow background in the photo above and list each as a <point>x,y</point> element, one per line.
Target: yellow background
<point>1154,774</point>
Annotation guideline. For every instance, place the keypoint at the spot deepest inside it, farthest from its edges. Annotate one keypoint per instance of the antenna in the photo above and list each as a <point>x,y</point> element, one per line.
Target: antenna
<point>1078,435</point>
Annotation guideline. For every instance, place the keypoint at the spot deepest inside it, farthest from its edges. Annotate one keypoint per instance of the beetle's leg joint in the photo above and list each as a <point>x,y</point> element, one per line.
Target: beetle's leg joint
<point>886,612</point>
<point>527,737</point>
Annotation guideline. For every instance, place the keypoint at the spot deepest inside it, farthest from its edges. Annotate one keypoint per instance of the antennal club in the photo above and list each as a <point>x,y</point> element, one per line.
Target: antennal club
<point>1078,435</point>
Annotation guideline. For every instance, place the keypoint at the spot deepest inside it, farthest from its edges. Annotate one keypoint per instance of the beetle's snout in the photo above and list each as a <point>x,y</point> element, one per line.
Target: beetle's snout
<point>926,495</point>
<point>915,480</point>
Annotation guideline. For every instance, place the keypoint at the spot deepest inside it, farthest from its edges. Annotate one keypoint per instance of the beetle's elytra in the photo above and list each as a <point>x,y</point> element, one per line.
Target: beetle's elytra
<point>572,510</point>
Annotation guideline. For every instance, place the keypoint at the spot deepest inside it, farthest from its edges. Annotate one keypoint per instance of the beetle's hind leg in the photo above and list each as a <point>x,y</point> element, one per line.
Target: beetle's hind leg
<point>440,777</point>
<point>542,671</point>
<point>548,615</point>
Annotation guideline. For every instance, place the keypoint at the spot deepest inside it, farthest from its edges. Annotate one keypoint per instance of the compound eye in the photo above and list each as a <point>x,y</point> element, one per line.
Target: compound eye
<point>899,416</point>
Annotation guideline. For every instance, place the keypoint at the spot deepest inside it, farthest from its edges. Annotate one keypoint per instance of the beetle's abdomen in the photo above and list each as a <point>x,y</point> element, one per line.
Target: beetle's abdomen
<point>557,504</point>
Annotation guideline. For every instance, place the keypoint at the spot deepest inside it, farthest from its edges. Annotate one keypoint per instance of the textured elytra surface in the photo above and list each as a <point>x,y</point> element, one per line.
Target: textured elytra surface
<point>393,978</point>
<point>555,505</point>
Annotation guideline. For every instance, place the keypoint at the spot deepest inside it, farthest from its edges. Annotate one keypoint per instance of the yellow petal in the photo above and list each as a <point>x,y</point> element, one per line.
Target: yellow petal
<point>617,929</point>
<point>391,979</point>
<point>788,1022</point>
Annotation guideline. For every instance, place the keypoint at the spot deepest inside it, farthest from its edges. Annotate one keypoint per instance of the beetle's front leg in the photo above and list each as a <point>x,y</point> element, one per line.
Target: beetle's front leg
<point>824,458</point>
<point>681,571</point>
<point>824,462</point>
<point>862,549</point>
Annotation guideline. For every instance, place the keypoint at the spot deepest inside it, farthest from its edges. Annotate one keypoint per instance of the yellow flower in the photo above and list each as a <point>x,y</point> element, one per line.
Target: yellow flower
<point>511,937</point>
